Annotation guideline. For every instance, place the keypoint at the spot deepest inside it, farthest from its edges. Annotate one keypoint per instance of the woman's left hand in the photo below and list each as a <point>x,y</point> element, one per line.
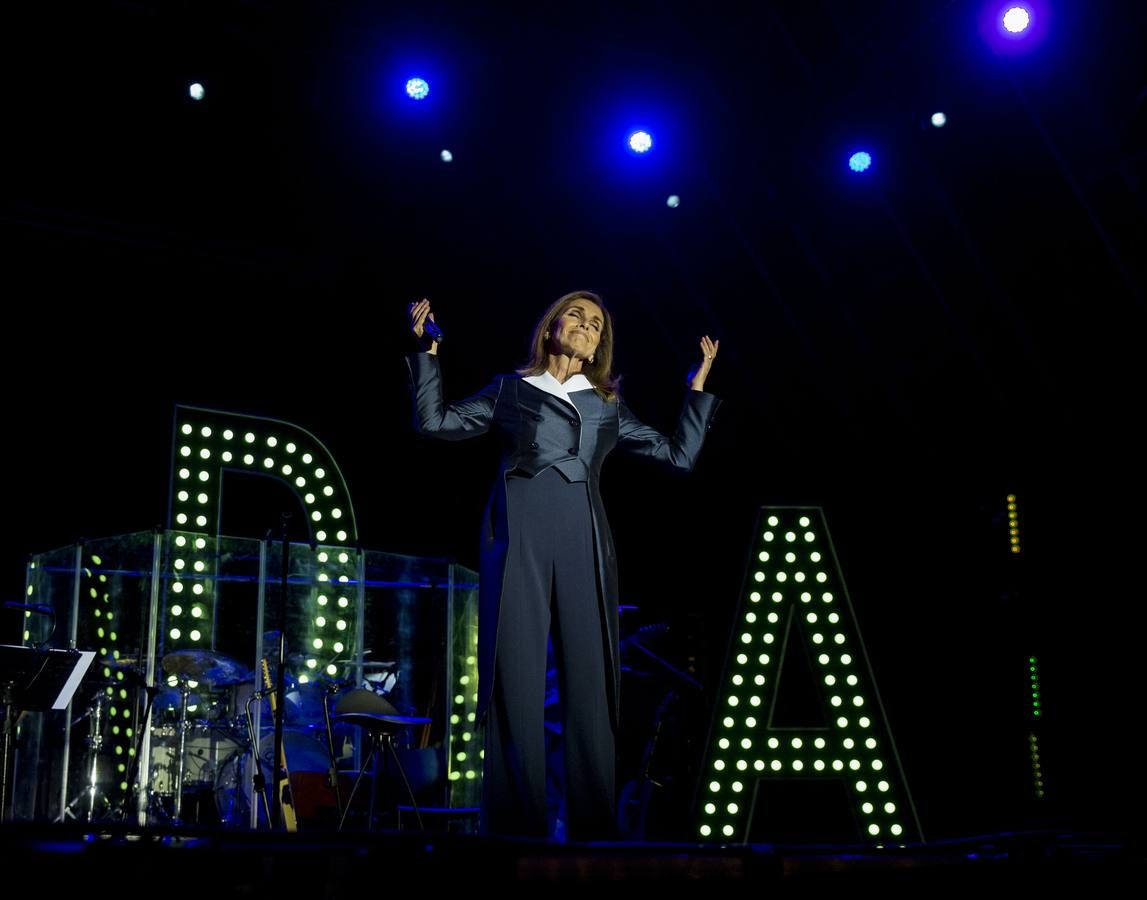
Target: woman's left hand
<point>698,374</point>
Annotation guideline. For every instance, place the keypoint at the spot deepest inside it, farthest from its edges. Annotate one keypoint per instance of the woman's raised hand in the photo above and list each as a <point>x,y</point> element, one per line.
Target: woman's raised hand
<point>700,372</point>
<point>419,312</point>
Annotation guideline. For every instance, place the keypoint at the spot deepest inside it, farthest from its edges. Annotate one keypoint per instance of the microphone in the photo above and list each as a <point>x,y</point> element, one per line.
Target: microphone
<point>30,607</point>
<point>432,330</point>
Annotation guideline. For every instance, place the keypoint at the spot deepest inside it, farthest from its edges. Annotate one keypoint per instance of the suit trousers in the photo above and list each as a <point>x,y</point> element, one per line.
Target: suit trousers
<point>550,592</point>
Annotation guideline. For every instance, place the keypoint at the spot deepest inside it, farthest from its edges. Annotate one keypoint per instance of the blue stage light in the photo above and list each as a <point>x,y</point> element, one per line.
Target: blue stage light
<point>417,89</point>
<point>1015,28</point>
<point>859,161</point>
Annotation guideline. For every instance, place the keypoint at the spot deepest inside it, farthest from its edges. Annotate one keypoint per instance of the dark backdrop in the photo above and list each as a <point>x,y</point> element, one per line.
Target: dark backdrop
<point>902,349</point>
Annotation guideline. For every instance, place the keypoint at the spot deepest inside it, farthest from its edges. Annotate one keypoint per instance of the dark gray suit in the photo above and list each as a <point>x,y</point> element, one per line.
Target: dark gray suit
<point>545,540</point>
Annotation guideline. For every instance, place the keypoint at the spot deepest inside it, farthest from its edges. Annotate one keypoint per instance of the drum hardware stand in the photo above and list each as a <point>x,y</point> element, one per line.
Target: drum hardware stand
<point>133,676</point>
<point>333,772</point>
<point>94,743</point>
<point>258,780</point>
<point>177,807</point>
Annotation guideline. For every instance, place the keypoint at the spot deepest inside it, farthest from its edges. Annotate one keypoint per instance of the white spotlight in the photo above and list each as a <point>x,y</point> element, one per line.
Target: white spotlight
<point>196,91</point>
<point>939,119</point>
<point>447,156</point>
<point>673,202</point>
<point>640,141</point>
<point>1016,19</point>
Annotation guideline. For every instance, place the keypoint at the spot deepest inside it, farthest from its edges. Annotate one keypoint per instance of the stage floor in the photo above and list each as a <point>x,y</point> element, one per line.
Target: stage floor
<point>111,860</point>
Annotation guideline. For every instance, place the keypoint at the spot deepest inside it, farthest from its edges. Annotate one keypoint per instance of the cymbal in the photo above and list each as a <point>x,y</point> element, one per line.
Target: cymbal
<point>210,668</point>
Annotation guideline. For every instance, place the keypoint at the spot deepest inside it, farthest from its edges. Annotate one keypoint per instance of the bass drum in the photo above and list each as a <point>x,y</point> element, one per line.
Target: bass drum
<point>309,764</point>
<point>205,747</point>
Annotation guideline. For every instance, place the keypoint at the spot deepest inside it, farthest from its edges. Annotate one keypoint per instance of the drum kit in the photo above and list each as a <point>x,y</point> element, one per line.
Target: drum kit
<point>204,722</point>
<point>192,733</point>
<point>206,713</point>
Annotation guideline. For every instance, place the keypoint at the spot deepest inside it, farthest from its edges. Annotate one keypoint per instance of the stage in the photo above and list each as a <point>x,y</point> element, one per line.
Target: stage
<point>210,864</point>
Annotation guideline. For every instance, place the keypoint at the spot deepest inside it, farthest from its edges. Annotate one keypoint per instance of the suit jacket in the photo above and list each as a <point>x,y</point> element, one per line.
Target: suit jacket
<point>538,430</point>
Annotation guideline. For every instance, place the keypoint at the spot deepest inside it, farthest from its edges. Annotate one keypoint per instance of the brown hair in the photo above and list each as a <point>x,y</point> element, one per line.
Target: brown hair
<point>600,371</point>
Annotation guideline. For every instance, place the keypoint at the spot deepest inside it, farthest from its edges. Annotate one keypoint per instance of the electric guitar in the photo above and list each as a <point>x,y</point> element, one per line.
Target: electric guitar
<point>283,779</point>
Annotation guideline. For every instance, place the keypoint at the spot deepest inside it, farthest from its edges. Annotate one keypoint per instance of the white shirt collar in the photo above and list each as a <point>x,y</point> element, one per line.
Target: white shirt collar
<point>551,385</point>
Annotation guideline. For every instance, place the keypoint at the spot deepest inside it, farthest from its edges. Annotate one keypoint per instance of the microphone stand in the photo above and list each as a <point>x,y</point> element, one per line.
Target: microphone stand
<point>280,675</point>
<point>258,780</point>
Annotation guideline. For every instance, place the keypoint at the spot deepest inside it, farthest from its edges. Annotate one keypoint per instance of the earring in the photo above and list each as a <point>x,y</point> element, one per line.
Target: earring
<point>591,360</point>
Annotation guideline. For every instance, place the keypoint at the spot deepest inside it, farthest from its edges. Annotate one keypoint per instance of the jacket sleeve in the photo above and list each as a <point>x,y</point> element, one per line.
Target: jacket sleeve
<point>458,421</point>
<point>682,449</point>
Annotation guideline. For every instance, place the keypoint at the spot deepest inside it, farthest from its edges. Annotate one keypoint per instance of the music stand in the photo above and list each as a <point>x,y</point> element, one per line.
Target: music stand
<point>32,680</point>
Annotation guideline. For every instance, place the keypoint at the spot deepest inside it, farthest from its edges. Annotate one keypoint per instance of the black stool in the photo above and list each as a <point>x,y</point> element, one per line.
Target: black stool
<point>380,721</point>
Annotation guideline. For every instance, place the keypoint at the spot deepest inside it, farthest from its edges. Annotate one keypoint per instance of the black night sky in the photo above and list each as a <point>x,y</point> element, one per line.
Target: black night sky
<point>902,348</point>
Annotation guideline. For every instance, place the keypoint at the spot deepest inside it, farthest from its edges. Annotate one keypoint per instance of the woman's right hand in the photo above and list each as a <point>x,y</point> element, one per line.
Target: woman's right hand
<point>419,312</point>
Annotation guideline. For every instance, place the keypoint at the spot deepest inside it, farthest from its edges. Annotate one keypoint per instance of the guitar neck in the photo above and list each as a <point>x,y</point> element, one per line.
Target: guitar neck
<point>283,780</point>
